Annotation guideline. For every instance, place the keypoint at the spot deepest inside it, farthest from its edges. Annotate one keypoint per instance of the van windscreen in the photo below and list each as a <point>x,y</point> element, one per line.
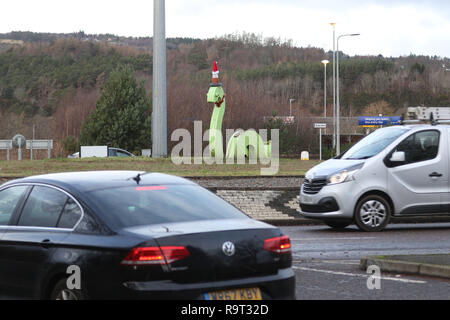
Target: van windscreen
<point>374,143</point>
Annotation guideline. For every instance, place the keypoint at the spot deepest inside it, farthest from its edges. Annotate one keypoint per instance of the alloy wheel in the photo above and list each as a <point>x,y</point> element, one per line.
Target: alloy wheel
<point>66,295</point>
<point>373,213</point>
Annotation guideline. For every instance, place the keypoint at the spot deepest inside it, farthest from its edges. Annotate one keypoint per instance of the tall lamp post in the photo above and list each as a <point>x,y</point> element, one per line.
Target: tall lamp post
<point>333,24</point>
<point>338,108</point>
<point>325,62</point>
<point>159,115</point>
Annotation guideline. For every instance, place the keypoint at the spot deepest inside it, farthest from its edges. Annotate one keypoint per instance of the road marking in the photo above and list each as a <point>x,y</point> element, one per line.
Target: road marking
<point>346,262</point>
<point>326,239</point>
<point>358,275</point>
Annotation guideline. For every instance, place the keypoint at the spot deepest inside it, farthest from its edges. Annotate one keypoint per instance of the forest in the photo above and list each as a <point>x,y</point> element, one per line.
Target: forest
<point>53,82</point>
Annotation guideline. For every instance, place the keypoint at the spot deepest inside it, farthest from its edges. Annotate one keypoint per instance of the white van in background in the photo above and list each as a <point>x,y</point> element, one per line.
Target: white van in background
<point>100,152</point>
<point>395,171</point>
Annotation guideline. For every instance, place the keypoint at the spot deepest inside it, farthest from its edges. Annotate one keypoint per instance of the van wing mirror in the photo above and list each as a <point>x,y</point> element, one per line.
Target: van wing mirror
<point>398,156</point>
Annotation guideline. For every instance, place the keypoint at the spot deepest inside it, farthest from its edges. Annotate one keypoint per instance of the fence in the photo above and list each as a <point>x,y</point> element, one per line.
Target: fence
<point>31,149</point>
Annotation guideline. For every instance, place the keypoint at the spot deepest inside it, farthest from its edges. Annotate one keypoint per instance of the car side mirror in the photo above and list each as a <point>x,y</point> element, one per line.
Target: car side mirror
<point>398,156</point>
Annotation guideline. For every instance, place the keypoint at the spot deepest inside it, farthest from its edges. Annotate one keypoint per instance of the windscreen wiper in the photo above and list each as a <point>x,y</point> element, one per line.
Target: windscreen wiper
<point>362,158</point>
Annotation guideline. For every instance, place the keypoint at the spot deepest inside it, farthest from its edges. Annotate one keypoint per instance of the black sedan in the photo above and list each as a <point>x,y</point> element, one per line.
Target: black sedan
<point>126,234</point>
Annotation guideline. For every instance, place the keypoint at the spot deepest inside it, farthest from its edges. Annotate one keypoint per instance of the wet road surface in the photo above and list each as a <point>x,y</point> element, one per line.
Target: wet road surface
<point>326,261</point>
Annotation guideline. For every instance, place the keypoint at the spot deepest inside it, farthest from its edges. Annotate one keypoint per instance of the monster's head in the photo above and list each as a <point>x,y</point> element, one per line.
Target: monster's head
<point>215,93</point>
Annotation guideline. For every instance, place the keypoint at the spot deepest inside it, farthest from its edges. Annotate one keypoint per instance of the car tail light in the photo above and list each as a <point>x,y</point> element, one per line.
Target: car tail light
<point>278,244</point>
<point>155,255</point>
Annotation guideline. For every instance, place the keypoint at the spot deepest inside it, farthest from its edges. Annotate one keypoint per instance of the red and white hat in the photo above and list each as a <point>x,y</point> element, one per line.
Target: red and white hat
<point>215,73</point>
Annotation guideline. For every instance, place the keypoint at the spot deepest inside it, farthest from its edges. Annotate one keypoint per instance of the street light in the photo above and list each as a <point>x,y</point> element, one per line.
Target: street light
<point>290,106</point>
<point>333,24</point>
<point>159,113</point>
<point>325,62</point>
<point>338,108</point>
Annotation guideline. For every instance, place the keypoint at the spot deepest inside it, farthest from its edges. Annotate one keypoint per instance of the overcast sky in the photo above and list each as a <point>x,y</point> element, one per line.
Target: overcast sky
<point>387,27</point>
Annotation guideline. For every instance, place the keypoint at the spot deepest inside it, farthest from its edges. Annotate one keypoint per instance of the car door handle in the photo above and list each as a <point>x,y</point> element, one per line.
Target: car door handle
<point>435,175</point>
<point>46,243</point>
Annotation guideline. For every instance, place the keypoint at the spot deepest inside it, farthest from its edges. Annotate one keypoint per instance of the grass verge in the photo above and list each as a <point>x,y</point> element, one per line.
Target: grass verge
<point>14,168</point>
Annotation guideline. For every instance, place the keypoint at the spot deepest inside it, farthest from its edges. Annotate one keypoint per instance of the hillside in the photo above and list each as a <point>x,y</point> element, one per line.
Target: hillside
<point>53,81</point>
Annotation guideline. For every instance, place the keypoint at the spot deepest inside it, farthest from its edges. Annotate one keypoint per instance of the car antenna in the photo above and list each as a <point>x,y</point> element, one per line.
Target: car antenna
<point>137,178</point>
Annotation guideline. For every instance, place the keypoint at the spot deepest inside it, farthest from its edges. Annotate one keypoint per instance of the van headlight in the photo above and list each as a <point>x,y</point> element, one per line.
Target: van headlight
<point>342,176</point>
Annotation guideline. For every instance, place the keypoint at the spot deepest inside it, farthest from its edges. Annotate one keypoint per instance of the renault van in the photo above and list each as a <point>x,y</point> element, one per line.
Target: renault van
<point>395,171</point>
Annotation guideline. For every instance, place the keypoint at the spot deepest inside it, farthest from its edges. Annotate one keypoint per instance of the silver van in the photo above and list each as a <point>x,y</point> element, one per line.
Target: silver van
<point>395,171</point>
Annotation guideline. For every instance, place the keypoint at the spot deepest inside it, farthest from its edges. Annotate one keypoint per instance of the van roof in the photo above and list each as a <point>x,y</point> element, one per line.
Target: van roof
<point>424,126</point>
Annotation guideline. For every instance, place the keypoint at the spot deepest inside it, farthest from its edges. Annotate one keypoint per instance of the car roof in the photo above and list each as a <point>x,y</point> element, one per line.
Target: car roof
<point>94,180</point>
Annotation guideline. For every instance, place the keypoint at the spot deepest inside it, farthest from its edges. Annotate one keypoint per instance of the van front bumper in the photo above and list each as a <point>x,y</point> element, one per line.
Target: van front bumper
<point>332,202</point>
<point>325,205</point>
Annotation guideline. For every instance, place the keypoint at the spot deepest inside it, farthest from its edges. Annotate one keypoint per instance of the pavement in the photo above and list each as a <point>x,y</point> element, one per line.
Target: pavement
<point>433,265</point>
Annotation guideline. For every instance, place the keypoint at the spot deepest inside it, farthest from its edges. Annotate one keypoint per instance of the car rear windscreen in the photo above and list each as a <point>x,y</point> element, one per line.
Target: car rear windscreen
<point>146,205</point>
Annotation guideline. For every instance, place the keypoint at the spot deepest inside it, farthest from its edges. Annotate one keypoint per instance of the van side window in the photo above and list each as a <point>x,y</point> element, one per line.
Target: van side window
<point>421,146</point>
<point>122,154</point>
<point>112,152</point>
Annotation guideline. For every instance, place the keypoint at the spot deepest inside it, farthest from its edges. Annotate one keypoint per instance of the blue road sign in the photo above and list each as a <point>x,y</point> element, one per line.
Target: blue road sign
<point>379,121</point>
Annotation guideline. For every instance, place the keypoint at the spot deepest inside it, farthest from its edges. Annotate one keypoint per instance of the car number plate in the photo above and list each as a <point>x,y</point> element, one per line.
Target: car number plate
<point>236,294</point>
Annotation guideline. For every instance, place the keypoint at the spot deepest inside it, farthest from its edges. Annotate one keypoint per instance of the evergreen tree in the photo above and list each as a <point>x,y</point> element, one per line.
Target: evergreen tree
<point>123,114</point>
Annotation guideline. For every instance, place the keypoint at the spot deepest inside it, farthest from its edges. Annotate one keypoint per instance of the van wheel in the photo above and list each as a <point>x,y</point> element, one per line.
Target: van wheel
<point>372,213</point>
<point>61,292</point>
